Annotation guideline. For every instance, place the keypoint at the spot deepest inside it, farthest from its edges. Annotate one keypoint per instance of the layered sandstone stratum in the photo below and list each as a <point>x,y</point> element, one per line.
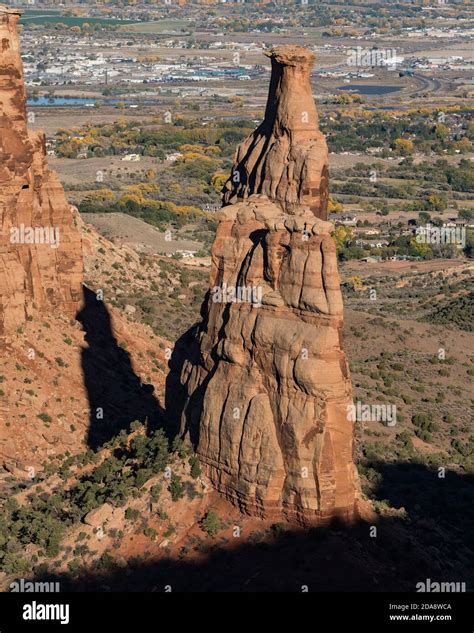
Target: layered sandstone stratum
<point>263,381</point>
<point>41,265</point>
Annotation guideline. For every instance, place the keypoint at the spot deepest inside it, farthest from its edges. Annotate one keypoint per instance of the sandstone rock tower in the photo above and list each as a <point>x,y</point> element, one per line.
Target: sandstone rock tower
<point>263,381</point>
<point>286,158</point>
<point>40,246</point>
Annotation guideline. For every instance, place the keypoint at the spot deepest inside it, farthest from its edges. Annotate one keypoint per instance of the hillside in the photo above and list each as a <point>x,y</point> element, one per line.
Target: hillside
<point>51,367</point>
<point>458,312</point>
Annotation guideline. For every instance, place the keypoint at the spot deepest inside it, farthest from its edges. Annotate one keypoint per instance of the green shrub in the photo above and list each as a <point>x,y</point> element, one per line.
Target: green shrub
<point>211,523</point>
<point>176,488</point>
<point>155,491</point>
<point>423,435</point>
<point>278,529</point>
<point>423,422</point>
<point>169,531</point>
<point>195,467</point>
<point>405,438</point>
<point>150,532</point>
<point>132,514</point>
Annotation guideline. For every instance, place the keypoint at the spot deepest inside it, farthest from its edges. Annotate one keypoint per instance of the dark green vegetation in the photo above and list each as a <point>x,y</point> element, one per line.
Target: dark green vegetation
<point>86,481</point>
<point>211,523</point>
<point>401,132</point>
<point>457,312</point>
<point>436,192</point>
<point>425,186</point>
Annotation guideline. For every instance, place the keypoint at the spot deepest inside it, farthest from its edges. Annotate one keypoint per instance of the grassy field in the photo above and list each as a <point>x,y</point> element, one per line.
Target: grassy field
<point>162,26</point>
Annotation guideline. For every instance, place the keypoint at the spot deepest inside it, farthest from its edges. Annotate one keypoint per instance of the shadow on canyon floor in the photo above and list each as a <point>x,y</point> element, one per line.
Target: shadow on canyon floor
<point>117,397</point>
<point>433,540</point>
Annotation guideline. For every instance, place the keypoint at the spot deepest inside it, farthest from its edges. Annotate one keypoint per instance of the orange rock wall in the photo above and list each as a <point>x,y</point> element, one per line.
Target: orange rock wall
<point>40,245</point>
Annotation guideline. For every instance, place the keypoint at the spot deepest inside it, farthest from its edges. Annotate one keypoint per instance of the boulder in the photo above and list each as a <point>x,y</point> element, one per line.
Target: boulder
<point>98,516</point>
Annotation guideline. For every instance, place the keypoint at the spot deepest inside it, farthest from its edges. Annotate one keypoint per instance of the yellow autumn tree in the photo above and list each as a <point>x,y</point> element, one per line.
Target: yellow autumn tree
<point>334,207</point>
<point>442,131</point>
<point>236,101</point>
<point>101,195</point>
<point>464,145</point>
<point>213,150</point>
<point>356,283</point>
<point>342,234</point>
<point>186,148</point>
<point>143,188</point>
<point>219,179</point>
<point>404,146</point>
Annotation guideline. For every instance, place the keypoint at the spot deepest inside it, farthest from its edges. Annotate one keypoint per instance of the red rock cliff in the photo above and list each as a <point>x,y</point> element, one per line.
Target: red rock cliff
<point>40,246</point>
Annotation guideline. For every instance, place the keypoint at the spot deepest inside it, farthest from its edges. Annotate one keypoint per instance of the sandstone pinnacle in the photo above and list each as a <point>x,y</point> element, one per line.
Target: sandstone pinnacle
<point>262,382</point>
<point>286,157</point>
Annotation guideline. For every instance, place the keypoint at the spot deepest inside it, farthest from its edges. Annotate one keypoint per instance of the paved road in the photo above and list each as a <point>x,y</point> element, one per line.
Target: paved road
<point>428,84</point>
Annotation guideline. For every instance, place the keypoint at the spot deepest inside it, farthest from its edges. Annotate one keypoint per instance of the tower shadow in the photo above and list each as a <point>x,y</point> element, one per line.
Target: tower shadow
<point>431,538</point>
<point>177,404</point>
<point>117,396</point>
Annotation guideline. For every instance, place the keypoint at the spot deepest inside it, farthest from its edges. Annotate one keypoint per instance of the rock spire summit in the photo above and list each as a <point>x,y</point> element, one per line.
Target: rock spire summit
<point>286,157</point>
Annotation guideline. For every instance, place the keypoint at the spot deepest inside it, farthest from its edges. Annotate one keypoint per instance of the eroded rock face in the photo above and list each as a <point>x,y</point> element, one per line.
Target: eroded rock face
<point>286,157</point>
<point>263,381</point>
<point>40,245</point>
<point>266,381</point>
